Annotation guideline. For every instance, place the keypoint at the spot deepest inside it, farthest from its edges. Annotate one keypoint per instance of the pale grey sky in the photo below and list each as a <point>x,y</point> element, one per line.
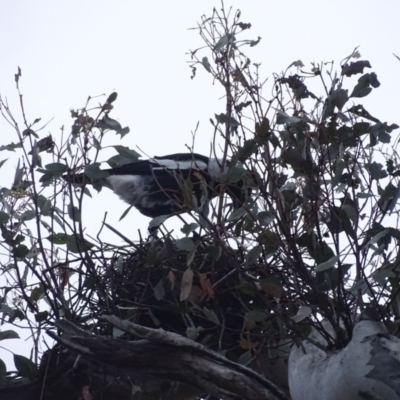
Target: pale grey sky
<point>68,50</point>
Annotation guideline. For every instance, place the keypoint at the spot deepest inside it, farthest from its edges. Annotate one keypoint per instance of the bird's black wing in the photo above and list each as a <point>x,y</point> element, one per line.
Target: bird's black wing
<point>151,167</point>
<point>140,168</point>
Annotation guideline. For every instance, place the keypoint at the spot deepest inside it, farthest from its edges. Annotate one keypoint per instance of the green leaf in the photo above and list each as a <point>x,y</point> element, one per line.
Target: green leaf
<point>188,228</point>
<point>236,214</point>
<point>151,256</point>
<point>243,25</point>
<point>266,217</point>
<point>25,367</point>
<point>222,42</point>
<point>4,217</point>
<point>253,254</point>
<point>125,213</point>
<point>361,284</point>
<point>245,358</point>
<point>337,98</point>
<point>210,315</point>
<point>378,237</point>
<point>44,205</point>
<point>206,64</point>
<point>112,97</point>
<point>2,162</point>
<point>20,251</point>
<point>214,251</point>
<point>113,125</point>
<point>381,132</point>
<point>11,147</point>
<point>193,332</point>
<point>159,291</point>
<point>27,215</point>
<point>232,175</point>
<point>41,316</point>
<point>9,334</point>
<point>56,169</point>
<point>76,244</point>
<point>294,158</point>
<point>226,119</point>
<point>354,68</point>
<point>37,293</point>
<point>298,87</point>
<point>124,131</point>
<point>272,285</point>
<point>186,284</point>
<point>190,256</point>
<point>262,129</point>
<point>74,213</point>
<point>390,166</point>
<point>303,313</point>
<point>13,313</point>
<point>19,173</point>
<point>255,42</point>
<point>3,372</point>
<point>389,197</point>
<point>118,160</point>
<point>338,173</point>
<point>110,123</point>
<point>330,279</point>
<point>249,148</point>
<point>376,171</point>
<point>94,172</point>
<point>204,210</point>
<point>339,222</point>
<point>256,315</point>
<point>46,180</point>
<point>157,221</point>
<point>127,153</point>
<point>363,88</point>
<point>247,288</point>
<point>362,112</point>
<point>58,238</point>
<point>327,264</point>
<point>283,118</point>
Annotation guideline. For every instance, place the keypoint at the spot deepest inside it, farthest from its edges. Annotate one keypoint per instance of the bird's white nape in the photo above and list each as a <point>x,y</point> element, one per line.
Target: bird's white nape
<point>182,165</point>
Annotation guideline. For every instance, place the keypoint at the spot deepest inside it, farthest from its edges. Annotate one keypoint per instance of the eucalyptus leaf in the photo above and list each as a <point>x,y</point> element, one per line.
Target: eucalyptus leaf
<point>56,169</point>
<point>159,291</point>
<point>184,244</point>
<point>8,334</point>
<point>157,221</point>
<point>25,367</point>
<point>189,228</point>
<point>236,214</point>
<point>327,264</point>
<point>94,172</point>
<point>226,119</point>
<point>77,244</point>
<point>127,152</point>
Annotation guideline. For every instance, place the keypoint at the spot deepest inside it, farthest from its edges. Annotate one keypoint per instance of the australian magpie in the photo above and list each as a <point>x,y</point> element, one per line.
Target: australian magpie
<point>167,185</point>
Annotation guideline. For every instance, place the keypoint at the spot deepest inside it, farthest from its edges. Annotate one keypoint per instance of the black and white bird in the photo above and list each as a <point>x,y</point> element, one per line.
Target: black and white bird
<point>167,185</point>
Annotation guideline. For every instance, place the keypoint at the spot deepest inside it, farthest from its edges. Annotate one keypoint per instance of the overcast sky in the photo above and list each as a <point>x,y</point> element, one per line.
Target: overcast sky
<point>69,50</point>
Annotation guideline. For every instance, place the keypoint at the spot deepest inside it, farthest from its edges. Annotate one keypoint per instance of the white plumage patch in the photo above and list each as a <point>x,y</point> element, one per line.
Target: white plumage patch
<point>182,165</point>
<point>129,187</point>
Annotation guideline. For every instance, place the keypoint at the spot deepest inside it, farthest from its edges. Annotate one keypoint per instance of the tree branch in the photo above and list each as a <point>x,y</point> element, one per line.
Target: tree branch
<point>167,355</point>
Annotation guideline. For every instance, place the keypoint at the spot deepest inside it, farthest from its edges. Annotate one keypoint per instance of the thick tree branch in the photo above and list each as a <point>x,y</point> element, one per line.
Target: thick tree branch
<point>166,355</point>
